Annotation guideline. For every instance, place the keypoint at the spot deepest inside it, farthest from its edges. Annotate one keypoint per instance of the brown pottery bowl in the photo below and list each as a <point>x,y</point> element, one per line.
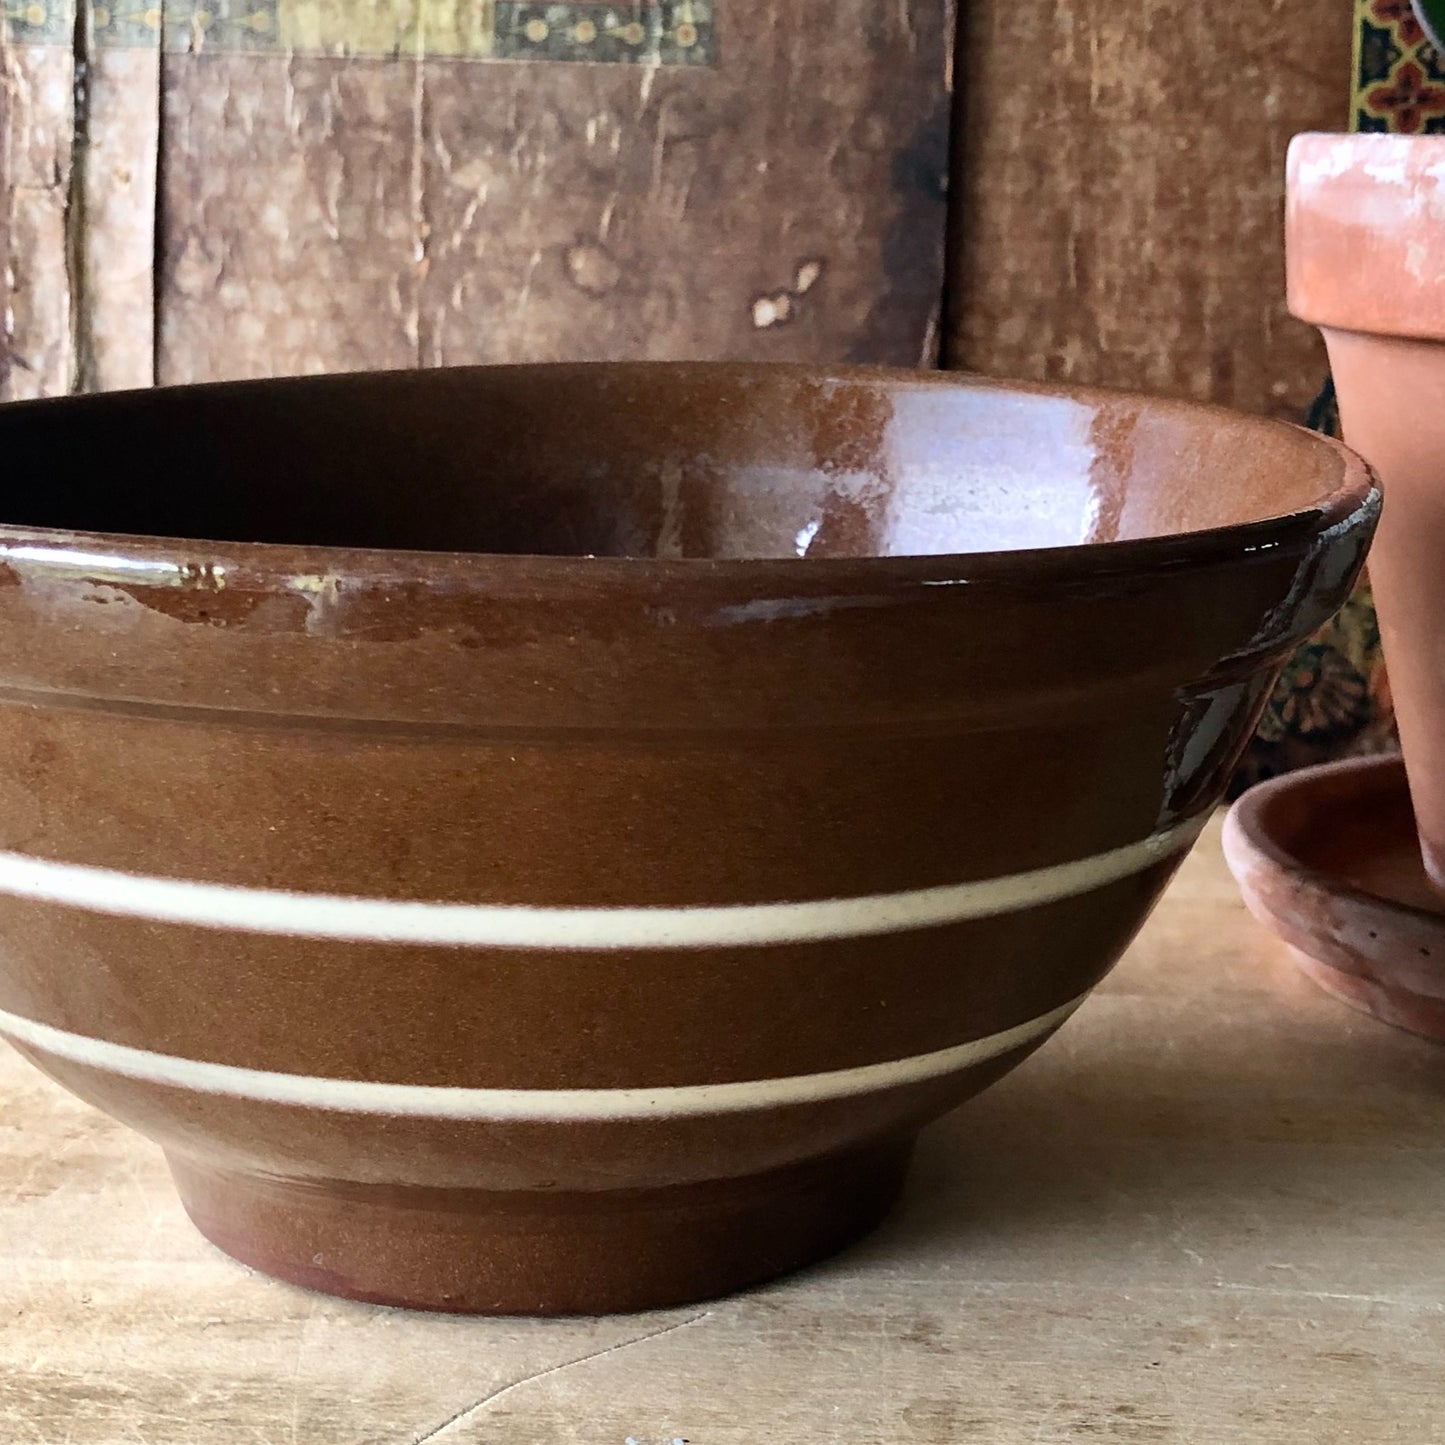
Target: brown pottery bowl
<point>566,829</point>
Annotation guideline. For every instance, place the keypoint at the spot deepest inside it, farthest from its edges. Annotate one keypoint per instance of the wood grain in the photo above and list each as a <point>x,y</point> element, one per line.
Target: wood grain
<point>212,201</point>
<point>1207,1211</point>
<point>78,146</point>
<point>324,214</point>
<point>115,330</point>
<point>289,232</point>
<point>1118,212</point>
<point>36,145</point>
<point>1117,179</point>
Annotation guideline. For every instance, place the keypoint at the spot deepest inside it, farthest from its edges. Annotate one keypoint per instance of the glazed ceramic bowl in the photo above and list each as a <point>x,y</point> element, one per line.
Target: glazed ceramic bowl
<point>567,828</point>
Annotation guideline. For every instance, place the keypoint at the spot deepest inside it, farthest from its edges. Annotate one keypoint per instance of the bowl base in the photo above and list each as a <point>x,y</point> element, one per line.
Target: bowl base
<point>479,1252</point>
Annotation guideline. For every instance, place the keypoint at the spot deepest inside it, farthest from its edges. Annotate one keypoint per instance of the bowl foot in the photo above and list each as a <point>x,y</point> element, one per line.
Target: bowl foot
<point>536,1253</point>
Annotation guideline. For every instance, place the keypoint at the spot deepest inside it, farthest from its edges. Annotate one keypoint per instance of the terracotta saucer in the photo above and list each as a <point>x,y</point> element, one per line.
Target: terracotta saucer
<point>1329,859</point>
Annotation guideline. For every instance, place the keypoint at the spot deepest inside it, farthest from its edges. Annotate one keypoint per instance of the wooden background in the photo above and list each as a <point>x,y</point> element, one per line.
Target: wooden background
<point>1117,174</point>
<point>192,200</point>
<point>1118,198</point>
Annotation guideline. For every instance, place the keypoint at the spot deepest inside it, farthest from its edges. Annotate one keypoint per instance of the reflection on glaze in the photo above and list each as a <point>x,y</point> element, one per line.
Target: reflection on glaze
<point>936,471</point>
<point>114,567</point>
<point>1207,728</point>
<point>962,482</point>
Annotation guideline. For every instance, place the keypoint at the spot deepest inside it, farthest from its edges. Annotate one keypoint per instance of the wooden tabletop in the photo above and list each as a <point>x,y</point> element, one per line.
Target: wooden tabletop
<point>1210,1210</point>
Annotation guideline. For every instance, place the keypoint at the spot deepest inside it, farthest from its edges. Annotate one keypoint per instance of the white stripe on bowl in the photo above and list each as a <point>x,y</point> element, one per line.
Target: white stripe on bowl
<point>499,925</point>
<point>556,1106</point>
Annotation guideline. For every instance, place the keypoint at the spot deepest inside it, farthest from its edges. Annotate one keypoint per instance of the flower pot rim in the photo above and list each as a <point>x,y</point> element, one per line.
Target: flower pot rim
<point>1365,232</point>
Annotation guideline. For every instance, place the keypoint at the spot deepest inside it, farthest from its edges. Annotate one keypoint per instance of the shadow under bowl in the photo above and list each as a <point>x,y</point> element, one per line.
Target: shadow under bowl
<point>546,838</point>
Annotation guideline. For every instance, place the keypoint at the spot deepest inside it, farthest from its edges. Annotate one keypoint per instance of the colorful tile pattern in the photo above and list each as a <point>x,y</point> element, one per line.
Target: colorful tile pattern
<point>1399,75</point>
<point>657,32</point>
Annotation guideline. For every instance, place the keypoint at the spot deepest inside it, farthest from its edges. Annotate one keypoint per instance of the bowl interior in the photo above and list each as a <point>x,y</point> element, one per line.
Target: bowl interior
<point>666,461</point>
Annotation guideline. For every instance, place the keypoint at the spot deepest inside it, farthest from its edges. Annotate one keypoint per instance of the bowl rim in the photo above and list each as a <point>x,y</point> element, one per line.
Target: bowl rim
<point>145,559</point>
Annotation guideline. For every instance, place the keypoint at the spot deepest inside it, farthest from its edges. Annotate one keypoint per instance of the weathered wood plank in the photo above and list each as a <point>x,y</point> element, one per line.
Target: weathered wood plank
<point>786,204</point>
<point>122,136</point>
<point>36,142</point>
<point>288,216</point>
<point>786,201</point>
<point>1119,207</point>
<point>1117,216</point>
<point>361,186</point>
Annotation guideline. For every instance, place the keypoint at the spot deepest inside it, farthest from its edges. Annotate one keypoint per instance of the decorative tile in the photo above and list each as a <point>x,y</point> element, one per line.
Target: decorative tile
<point>199,25</point>
<point>38,22</point>
<point>1377,54</point>
<point>1399,80</point>
<point>675,32</point>
<point>658,32</point>
<point>123,23</point>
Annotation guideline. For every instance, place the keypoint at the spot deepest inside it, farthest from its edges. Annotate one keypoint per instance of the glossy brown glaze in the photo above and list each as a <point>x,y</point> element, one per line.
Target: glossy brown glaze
<point>1366,245</point>
<point>1328,858</point>
<point>569,828</point>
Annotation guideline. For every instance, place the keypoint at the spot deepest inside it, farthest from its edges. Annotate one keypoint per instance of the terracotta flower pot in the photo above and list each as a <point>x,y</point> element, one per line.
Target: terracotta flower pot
<point>1366,255</point>
<point>572,826</point>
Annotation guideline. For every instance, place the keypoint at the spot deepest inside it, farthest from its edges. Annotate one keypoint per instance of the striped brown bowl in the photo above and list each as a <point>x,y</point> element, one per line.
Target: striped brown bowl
<point>569,829</point>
